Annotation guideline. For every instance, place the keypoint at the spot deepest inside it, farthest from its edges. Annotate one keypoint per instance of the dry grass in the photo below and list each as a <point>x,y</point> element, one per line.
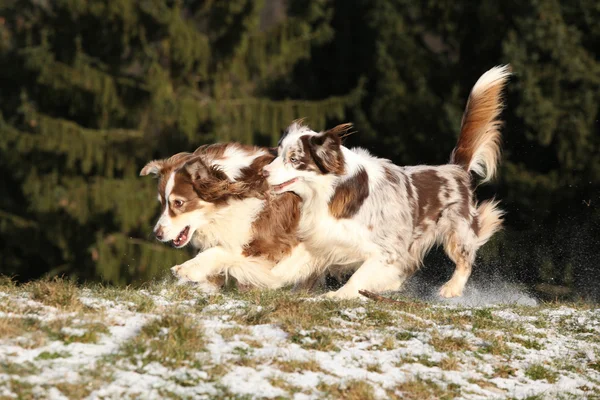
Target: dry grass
<point>62,294</point>
<point>353,390</point>
<point>504,371</point>
<point>290,366</point>
<point>446,344</point>
<point>450,363</point>
<point>423,389</point>
<point>230,333</point>
<point>11,327</point>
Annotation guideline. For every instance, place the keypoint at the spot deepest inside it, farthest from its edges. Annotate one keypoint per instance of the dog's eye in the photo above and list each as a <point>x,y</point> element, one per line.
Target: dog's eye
<point>293,160</point>
<point>177,203</point>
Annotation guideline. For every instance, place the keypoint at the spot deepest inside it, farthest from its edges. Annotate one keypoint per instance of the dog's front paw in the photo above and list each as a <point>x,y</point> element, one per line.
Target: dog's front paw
<point>188,273</point>
<point>450,290</point>
<point>339,295</point>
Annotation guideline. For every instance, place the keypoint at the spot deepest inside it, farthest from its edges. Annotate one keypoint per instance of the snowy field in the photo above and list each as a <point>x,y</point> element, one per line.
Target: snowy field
<point>60,341</point>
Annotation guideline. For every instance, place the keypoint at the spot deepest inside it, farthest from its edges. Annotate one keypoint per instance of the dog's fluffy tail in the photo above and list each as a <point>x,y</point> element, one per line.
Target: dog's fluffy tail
<point>489,218</point>
<point>478,147</point>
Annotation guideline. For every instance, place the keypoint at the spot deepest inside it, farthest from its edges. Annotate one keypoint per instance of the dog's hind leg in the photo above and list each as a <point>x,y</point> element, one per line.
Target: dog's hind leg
<point>463,240</point>
<point>461,249</point>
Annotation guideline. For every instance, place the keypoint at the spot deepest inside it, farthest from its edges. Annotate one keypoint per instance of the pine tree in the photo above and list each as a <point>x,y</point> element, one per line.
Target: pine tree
<point>91,90</point>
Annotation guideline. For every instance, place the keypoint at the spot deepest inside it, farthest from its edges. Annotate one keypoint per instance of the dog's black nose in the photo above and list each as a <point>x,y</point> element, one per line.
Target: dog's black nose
<point>159,234</point>
<point>265,173</point>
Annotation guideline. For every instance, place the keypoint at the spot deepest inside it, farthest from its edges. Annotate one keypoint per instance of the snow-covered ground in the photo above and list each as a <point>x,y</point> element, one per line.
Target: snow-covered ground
<point>167,341</point>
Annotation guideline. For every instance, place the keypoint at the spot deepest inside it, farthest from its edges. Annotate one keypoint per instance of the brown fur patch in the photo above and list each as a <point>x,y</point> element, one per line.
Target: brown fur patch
<point>183,189</point>
<point>465,199</point>
<point>349,196</point>
<point>306,161</point>
<point>390,175</point>
<point>211,152</point>
<point>410,195</point>
<point>275,229</point>
<point>427,184</point>
<point>475,225</point>
<point>252,174</point>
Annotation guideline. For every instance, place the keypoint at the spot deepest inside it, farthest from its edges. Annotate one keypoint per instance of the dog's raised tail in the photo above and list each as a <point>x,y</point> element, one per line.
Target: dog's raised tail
<point>478,147</point>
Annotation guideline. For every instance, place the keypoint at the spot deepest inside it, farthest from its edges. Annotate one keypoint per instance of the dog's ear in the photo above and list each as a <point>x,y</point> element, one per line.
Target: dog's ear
<point>325,148</point>
<point>196,168</point>
<point>153,167</point>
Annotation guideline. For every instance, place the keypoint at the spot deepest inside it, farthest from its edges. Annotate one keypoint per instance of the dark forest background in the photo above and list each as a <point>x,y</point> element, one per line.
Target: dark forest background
<point>91,90</point>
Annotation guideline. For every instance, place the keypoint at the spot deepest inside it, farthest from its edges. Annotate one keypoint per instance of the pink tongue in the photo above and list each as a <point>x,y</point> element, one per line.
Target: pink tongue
<point>181,238</point>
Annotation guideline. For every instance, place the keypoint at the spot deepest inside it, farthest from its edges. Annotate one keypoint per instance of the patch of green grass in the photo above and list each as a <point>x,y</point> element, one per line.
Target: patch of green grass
<point>378,317</point>
<point>243,351</point>
<point>426,361</point>
<point>483,313</point>
<point>538,372</point>
<point>569,325</point>
<point>421,359</point>
<point>171,340</point>
<point>528,343</point>
<point>22,390</point>
<point>405,335</point>
<point>68,332</point>
<point>594,365</point>
<point>53,355</point>
<point>493,344</point>
<point>142,303</point>
<point>20,369</point>
<point>483,319</point>
<point>540,323</point>
<point>315,340</point>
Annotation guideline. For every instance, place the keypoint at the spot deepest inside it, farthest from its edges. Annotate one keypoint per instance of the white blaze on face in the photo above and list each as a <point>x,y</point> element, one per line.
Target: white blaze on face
<point>165,219</point>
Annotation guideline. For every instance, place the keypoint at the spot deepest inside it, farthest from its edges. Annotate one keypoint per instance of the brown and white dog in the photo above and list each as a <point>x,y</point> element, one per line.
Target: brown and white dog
<point>217,200</point>
<point>357,208</point>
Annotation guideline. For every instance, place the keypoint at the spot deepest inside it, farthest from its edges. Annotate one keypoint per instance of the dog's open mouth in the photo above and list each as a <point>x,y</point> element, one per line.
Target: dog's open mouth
<point>182,237</point>
<point>281,186</point>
